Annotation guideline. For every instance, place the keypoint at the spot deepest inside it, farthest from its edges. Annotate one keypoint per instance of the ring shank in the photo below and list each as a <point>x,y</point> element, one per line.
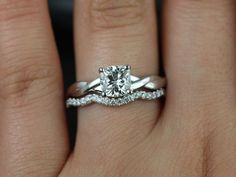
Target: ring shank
<point>81,88</point>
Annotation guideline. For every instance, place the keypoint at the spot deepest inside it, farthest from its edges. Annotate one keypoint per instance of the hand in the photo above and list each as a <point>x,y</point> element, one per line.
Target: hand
<point>191,134</point>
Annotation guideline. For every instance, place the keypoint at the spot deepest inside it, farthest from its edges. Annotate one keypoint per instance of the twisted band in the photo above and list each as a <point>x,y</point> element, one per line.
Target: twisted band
<point>79,89</point>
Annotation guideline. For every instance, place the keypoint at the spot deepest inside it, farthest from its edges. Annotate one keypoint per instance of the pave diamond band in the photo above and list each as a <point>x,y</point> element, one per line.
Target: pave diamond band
<point>94,98</point>
<point>115,87</point>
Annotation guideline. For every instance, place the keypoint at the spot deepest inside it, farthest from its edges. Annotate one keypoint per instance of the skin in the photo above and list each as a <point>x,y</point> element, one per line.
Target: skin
<point>191,133</point>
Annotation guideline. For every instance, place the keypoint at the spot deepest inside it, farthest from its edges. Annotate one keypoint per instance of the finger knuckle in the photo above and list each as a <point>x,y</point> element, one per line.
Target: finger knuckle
<point>110,14</point>
<point>201,5</point>
<point>14,10</point>
<point>20,84</point>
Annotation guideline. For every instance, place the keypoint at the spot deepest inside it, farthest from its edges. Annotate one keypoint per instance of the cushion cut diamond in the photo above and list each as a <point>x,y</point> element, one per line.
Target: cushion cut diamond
<point>115,80</point>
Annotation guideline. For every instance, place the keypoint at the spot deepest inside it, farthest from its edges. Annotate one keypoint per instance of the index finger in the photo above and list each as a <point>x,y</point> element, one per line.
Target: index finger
<point>33,133</point>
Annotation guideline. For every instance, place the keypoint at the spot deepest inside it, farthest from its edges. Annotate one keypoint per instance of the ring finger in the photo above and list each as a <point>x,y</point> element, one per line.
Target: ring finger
<point>111,32</point>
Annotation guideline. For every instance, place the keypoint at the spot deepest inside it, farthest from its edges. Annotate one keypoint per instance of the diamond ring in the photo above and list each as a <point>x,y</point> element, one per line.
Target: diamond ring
<point>115,87</point>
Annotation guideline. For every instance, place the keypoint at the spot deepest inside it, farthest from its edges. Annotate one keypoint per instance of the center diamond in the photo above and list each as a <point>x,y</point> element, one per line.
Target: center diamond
<point>115,80</point>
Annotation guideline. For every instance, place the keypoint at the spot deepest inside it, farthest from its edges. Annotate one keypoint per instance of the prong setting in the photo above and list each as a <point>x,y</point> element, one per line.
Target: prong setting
<point>128,67</point>
<point>100,70</point>
<point>103,94</point>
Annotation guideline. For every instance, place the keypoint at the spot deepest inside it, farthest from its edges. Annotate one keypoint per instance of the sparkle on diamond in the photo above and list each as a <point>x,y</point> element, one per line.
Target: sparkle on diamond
<point>115,80</point>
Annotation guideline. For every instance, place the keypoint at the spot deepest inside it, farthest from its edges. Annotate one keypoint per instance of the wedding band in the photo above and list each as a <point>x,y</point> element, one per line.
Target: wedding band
<point>115,87</point>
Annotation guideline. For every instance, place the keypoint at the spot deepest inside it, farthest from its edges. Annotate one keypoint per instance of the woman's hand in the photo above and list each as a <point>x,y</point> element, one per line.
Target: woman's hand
<point>191,135</point>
